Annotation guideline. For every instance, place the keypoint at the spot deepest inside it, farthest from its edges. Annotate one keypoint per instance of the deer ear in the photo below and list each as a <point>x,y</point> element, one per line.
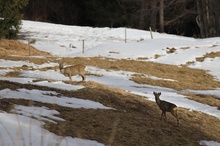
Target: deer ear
<point>159,93</point>
<point>154,93</point>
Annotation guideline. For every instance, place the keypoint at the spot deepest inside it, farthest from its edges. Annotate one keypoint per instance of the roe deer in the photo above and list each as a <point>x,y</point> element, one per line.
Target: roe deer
<point>70,71</point>
<point>166,107</point>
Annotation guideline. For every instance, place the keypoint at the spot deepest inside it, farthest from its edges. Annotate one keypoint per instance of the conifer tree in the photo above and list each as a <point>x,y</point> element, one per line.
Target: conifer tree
<point>10,17</point>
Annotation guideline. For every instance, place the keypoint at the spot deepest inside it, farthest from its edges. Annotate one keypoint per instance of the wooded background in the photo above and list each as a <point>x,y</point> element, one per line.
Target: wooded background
<point>194,18</point>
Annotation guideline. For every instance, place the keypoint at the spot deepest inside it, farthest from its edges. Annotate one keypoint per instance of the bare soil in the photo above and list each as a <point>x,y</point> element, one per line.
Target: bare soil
<point>134,119</point>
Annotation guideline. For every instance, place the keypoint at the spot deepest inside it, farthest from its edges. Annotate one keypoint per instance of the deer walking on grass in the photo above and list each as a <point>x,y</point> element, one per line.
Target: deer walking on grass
<point>70,71</point>
<point>166,107</point>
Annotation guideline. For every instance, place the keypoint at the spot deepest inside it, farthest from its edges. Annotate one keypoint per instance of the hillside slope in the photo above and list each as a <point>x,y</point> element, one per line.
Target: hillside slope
<point>133,119</point>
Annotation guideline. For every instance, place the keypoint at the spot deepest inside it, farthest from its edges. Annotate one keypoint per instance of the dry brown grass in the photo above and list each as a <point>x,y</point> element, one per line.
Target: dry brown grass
<point>136,120</point>
<point>171,50</point>
<point>208,55</point>
<point>185,78</point>
<point>205,99</point>
<point>14,47</point>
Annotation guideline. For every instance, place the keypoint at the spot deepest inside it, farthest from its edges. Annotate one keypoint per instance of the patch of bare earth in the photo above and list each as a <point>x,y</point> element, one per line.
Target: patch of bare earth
<point>134,120</point>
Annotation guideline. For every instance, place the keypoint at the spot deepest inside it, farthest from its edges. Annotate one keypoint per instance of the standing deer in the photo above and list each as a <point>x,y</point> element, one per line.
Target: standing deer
<point>70,71</point>
<point>166,107</point>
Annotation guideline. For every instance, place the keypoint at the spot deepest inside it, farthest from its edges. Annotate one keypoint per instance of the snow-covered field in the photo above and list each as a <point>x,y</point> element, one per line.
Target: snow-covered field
<point>66,41</point>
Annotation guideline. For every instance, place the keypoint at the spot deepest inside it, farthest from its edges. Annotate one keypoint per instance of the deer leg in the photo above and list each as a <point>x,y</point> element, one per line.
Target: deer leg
<point>70,77</point>
<point>162,115</point>
<point>174,113</point>
<point>177,120</point>
<point>83,77</point>
<point>165,116</point>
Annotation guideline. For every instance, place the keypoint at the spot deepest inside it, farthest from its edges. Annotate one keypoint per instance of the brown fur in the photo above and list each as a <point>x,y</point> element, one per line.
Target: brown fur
<point>70,71</point>
<point>166,107</point>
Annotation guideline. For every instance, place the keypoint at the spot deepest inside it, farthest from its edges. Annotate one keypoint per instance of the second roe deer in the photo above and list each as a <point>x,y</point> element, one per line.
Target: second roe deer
<point>166,107</point>
<point>70,71</point>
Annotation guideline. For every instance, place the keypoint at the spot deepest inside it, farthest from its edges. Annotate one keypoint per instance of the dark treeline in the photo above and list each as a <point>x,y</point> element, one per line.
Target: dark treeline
<point>197,18</point>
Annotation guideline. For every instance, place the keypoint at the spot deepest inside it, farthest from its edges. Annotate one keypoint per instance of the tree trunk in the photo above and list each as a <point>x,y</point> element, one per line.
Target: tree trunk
<point>215,19</point>
<point>153,15</point>
<point>199,18</point>
<point>142,23</point>
<point>205,14</point>
<point>161,15</point>
<point>206,19</point>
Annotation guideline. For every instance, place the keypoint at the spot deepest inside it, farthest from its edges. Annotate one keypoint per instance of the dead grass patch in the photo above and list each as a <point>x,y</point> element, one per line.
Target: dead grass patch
<point>13,74</point>
<point>170,50</point>
<point>179,83</point>
<point>205,99</point>
<point>14,47</point>
<point>134,122</point>
<point>114,52</point>
<point>208,55</point>
<point>156,56</point>
<point>6,106</point>
<point>184,48</point>
<point>186,78</point>
<point>35,60</point>
<point>142,58</point>
<point>41,80</point>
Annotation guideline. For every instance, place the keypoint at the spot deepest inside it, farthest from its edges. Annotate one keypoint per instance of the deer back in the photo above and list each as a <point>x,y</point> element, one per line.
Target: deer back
<point>74,70</point>
<point>166,106</point>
